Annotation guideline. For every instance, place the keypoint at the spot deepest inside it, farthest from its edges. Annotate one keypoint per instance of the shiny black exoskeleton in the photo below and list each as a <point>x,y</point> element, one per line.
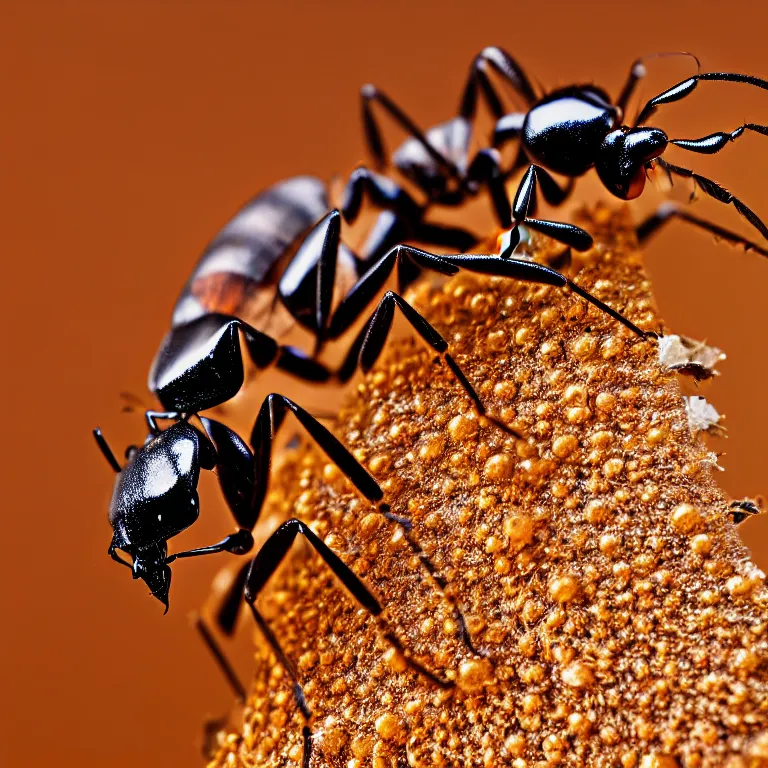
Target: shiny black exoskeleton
<point>568,132</point>
<point>574,129</point>
<point>279,261</point>
<point>155,495</point>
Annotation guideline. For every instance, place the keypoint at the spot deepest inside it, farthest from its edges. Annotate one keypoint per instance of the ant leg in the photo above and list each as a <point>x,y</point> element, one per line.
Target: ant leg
<point>264,565</point>
<point>369,94</point>
<point>226,620</point>
<point>669,211</point>
<point>533,272</point>
<point>504,65</point>
<point>264,351</point>
<point>234,462</point>
<point>234,465</point>
<point>272,413</point>
<point>376,333</point>
<point>222,662</point>
<point>229,606</point>
<point>686,87</point>
<point>485,168</point>
<point>709,145</point>
<point>101,441</point>
<point>306,285</point>
<point>408,261</point>
<point>239,543</point>
<point>301,365</point>
<point>714,190</point>
<point>525,203</point>
<point>382,191</point>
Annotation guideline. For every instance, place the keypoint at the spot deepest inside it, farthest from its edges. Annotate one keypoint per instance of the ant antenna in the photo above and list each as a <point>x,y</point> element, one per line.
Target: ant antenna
<point>106,450</point>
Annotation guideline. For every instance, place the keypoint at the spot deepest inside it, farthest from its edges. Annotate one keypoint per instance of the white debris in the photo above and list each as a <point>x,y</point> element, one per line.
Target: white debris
<point>688,356</point>
<point>712,460</point>
<point>702,416</point>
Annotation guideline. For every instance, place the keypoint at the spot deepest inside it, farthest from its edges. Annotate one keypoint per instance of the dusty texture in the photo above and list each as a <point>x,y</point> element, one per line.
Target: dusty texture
<point>619,618</point>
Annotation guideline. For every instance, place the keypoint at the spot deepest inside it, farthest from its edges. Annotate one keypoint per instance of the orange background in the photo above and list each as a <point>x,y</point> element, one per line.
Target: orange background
<point>129,133</point>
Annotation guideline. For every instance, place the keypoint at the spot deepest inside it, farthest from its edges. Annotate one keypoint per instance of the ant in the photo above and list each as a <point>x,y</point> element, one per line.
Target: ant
<point>155,498</point>
<point>155,494</point>
<point>568,132</point>
<point>574,129</point>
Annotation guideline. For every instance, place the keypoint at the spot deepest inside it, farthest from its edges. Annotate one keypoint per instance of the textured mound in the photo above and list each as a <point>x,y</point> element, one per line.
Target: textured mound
<point>617,618</point>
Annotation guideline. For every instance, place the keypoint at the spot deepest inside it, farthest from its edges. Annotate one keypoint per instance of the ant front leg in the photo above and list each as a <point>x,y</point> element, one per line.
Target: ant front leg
<point>525,204</point>
<point>233,460</point>
<point>239,543</point>
<point>670,211</point>
<point>533,272</point>
<point>714,190</point>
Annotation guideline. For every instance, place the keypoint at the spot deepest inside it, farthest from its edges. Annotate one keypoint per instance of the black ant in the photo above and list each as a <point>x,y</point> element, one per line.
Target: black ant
<point>155,494</point>
<point>568,131</point>
<point>574,129</point>
<point>155,498</point>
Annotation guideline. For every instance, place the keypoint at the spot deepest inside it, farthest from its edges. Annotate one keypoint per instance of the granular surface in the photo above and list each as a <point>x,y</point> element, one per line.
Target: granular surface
<point>615,615</point>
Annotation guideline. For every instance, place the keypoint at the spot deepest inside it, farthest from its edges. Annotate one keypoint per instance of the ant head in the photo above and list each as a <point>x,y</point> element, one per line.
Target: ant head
<point>623,156</point>
<point>149,564</point>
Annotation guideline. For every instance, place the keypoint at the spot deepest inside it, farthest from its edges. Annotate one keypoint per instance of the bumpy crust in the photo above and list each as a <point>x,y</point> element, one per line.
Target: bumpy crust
<point>619,618</point>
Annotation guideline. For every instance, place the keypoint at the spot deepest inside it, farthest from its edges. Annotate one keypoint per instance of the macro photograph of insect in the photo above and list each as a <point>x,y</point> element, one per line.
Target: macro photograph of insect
<point>387,384</point>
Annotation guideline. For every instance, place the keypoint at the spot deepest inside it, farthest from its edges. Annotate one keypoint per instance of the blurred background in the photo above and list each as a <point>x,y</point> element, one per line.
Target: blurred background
<point>129,133</point>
